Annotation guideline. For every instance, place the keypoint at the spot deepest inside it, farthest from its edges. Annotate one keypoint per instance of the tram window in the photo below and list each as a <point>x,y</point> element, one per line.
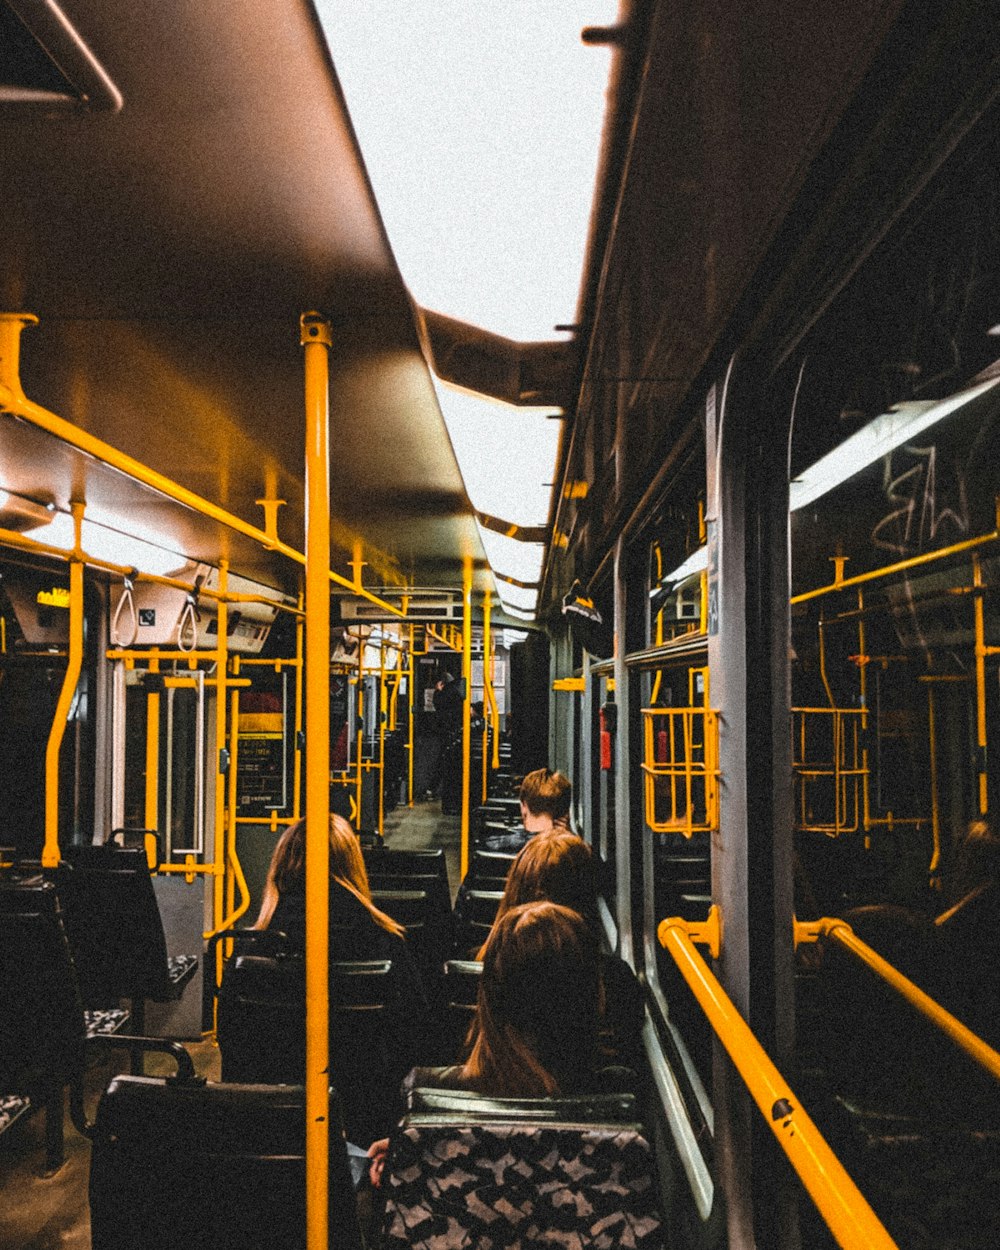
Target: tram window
<point>893,503</point>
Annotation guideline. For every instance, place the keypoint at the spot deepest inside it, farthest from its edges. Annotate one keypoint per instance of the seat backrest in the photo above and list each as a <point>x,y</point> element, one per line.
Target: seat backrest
<point>459,991</point>
<point>475,914</point>
<point>494,865</point>
<point>561,1172</point>
<point>432,885</point>
<point>42,1028</point>
<point>114,925</point>
<point>200,1166</point>
<point>261,1031</point>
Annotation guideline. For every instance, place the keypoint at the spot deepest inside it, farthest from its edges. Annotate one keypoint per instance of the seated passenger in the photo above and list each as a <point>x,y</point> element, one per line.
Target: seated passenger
<point>358,929</point>
<point>559,867</point>
<point>545,797</point>
<point>534,1034</point>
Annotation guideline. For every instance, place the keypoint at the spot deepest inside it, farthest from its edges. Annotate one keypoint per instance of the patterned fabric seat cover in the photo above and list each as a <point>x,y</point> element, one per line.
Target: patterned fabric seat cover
<point>496,1186</point>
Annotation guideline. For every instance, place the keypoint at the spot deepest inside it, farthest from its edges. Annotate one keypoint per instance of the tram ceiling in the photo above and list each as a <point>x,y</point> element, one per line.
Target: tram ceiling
<point>168,250</point>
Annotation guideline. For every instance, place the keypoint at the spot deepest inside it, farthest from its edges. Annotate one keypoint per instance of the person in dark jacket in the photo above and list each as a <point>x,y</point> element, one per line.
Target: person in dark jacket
<point>358,931</point>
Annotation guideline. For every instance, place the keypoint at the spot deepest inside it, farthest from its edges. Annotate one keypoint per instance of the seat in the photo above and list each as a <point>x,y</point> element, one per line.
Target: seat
<point>429,862</point>
<point>474,921</point>
<point>458,1005</point>
<point>467,1170</point>
<point>196,1166</point>
<point>44,1032</point>
<point>261,1032</point>
<point>430,929</point>
<point>427,936</point>
<point>115,930</point>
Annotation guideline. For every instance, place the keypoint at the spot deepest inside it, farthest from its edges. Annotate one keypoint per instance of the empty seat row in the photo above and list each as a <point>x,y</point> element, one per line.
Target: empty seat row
<point>45,1033</point>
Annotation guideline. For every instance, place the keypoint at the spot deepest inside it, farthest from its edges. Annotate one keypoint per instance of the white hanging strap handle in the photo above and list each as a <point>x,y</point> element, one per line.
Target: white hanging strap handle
<point>126,604</point>
<point>187,626</point>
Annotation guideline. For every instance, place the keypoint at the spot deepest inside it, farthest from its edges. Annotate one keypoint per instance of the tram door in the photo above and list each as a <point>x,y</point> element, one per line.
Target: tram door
<point>162,780</point>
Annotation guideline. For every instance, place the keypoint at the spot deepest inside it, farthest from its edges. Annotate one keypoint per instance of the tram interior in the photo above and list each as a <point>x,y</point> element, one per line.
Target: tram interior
<point>251,566</point>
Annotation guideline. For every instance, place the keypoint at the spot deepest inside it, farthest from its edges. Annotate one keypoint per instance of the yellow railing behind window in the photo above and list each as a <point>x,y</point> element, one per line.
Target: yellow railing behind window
<point>681,768</point>
<point>830,770</point>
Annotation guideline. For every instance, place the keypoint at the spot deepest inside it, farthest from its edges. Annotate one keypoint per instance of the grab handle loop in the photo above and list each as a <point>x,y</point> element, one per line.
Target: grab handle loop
<point>187,626</point>
<point>126,604</point>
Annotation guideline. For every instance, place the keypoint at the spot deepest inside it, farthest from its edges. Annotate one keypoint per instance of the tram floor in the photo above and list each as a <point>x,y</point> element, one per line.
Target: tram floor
<point>422,826</point>
<point>52,1213</point>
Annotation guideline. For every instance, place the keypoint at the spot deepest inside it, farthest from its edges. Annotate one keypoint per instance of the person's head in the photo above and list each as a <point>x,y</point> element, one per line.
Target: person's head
<point>535,1029</point>
<point>287,871</point>
<point>556,866</point>
<point>545,800</point>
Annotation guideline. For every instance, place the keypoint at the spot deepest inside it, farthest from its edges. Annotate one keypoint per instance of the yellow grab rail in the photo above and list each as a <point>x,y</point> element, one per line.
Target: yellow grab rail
<point>841,931</point>
<point>839,1201</point>
<point>14,401</point>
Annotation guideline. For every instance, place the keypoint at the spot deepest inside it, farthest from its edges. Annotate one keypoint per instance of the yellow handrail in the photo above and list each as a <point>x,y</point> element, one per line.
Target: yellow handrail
<point>466,708</point>
<point>841,931</point>
<point>839,1201</point>
<point>14,401</point>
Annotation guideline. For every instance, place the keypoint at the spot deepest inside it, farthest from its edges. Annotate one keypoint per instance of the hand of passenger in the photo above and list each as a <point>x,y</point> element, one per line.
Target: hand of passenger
<point>377,1152</point>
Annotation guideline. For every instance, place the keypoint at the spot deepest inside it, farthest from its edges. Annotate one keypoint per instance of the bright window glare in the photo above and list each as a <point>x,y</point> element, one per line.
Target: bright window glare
<point>520,560</point>
<point>507,455</point>
<point>107,544</point>
<point>877,439</point>
<point>517,597</point>
<point>480,125</point>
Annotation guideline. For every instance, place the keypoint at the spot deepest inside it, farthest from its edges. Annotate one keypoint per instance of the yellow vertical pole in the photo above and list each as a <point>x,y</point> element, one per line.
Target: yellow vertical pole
<point>316,340</point>
<point>221,660</point>
<point>152,805</point>
<point>382,709</point>
<point>863,686</point>
<point>231,856</point>
<point>410,697</point>
<point>299,682</point>
<point>359,737</point>
<point>466,706</point>
<point>977,582</point>
<point>74,663</point>
<point>935,865</point>
<point>487,682</point>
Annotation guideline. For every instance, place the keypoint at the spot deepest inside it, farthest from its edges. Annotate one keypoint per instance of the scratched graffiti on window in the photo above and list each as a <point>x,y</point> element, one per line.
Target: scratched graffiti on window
<point>926,511</point>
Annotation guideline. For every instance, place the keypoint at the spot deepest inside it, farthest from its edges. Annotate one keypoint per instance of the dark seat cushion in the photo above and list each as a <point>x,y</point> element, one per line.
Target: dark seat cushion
<point>200,1166</point>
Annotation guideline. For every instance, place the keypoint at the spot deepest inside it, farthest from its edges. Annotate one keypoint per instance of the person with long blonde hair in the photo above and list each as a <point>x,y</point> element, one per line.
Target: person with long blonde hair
<point>358,931</point>
<point>283,904</point>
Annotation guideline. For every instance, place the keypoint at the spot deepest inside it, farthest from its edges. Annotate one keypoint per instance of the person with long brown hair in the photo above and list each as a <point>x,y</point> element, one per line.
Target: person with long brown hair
<point>534,1033</point>
<point>358,931</point>
<point>559,866</point>
<point>283,903</point>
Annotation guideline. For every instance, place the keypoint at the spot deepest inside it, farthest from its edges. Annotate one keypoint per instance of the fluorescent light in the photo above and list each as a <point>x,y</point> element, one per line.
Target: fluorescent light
<point>507,455</point>
<point>104,543</point>
<point>480,126</point>
<point>878,438</point>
